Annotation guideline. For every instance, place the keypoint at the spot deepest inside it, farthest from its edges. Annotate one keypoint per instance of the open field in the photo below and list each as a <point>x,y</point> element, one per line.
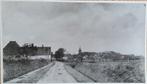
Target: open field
<point>129,72</point>
<point>13,69</point>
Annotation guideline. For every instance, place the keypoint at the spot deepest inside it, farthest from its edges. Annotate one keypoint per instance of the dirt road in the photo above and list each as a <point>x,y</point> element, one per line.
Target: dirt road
<point>57,74</point>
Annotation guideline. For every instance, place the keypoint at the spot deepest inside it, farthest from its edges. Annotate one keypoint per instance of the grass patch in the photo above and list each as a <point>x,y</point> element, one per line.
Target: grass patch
<point>13,68</point>
<point>128,72</point>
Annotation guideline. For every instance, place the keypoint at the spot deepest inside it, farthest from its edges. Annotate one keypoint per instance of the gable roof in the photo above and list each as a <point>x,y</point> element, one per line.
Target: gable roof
<point>11,48</point>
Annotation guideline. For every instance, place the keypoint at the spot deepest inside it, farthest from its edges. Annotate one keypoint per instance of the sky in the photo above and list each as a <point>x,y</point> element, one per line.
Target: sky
<point>95,27</point>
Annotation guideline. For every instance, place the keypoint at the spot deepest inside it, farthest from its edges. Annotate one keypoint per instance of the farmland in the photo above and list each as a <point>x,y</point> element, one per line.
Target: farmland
<point>132,71</point>
<point>13,68</point>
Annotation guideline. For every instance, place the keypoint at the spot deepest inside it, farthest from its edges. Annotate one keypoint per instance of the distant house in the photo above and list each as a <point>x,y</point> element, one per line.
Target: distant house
<point>35,50</point>
<point>13,49</point>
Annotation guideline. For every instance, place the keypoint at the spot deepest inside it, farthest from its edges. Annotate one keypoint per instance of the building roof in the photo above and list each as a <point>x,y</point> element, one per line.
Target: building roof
<point>12,44</point>
<point>11,48</point>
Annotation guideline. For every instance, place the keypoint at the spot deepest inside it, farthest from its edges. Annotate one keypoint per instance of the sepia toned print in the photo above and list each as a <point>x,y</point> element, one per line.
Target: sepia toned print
<point>54,42</point>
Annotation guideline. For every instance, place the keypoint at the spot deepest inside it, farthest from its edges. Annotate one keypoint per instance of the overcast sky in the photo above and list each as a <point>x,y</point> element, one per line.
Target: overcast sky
<point>94,27</point>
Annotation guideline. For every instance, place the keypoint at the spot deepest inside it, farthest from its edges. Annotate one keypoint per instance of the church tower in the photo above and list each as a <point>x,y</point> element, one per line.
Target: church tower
<point>80,50</point>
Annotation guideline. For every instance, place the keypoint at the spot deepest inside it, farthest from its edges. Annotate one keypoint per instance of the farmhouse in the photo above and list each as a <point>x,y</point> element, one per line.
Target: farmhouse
<point>13,49</point>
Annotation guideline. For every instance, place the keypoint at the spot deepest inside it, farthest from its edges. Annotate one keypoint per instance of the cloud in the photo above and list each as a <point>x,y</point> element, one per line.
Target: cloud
<point>93,26</point>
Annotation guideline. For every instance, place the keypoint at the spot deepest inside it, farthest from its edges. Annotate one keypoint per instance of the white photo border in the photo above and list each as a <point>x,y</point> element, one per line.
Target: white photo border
<point>72,1</point>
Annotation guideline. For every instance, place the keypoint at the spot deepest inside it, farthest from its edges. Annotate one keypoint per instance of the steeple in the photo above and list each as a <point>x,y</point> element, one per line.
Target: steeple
<point>80,50</point>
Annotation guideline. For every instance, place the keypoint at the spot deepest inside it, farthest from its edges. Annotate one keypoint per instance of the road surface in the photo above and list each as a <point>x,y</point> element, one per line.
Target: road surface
<point>57,74</point>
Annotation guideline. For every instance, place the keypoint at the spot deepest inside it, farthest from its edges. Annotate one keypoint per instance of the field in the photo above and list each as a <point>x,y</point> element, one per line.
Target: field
<point>13,69</point>
<point>128,71</point>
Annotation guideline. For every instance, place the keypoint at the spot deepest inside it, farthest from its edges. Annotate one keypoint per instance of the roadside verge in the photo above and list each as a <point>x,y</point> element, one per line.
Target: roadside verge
<point>33,76</point>
<point>77,75</point>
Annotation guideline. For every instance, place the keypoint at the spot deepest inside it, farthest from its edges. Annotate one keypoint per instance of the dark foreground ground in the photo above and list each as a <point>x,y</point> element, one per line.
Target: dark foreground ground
<point>131,71</point>
<point>13,69</point>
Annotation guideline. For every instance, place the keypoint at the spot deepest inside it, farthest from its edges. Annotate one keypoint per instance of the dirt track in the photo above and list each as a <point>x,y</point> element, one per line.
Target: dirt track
<point>57,74</point>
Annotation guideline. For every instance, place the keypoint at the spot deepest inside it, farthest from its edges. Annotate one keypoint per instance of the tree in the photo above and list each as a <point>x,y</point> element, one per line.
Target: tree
<point>59,54</point>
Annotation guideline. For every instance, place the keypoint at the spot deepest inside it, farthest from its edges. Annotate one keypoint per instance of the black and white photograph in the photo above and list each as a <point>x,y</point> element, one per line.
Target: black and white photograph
<point>73,42</point>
